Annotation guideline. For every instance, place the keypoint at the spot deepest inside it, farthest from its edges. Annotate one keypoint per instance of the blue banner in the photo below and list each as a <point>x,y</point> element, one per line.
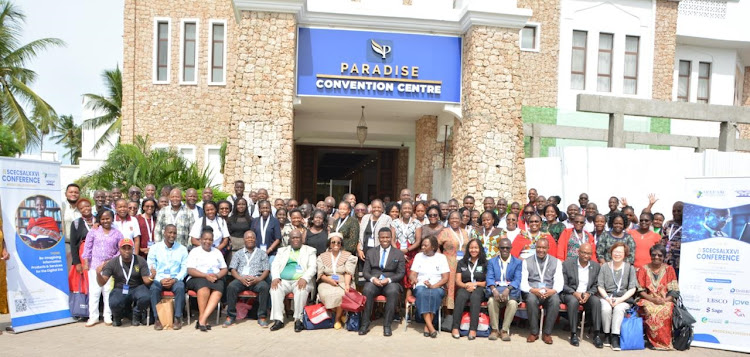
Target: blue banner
<point>383,65</point>
<point>32,226</point>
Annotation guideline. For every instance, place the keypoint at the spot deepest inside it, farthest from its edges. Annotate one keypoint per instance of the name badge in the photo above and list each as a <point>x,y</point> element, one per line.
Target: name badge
<point>381,277</point>
<point>298,268</point>
<point>371,242</point>
<point>263,247</point>
<point>335,277</point>
<point>541,286</point>
<point>460,254</point>
<point>211,270</point>
<point>125,289</point>
<point>150,244</point>
<point>246,270</point>
<point>168,271</point>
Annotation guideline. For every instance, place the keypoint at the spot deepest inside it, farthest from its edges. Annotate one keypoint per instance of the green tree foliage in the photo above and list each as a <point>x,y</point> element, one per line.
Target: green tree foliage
<point>8,144</point>
<point>109,106</point>
<point>69,135</point>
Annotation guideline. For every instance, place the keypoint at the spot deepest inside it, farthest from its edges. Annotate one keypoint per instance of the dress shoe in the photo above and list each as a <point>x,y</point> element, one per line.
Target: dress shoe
<point>136,321</point>
<point>493,335</point>
<point>434,334</point>
<point>472,338</point>
<point>278,325</point>
<point>298,326</point>
<point>116,321</point>
<point>532,338</point>
<point>505,336</point>
<point>574,340</point>
<point>177,324</point>
<point>158,326</point>
<point>203,328</point>
<point>387,331</point>
<point>598,341</point>
<point>547,338</point>
<point>364,329</point>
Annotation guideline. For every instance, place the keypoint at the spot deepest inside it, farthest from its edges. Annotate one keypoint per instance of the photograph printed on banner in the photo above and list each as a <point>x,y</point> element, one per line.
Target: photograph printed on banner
<point>711,222</point>
<point>39,222</point>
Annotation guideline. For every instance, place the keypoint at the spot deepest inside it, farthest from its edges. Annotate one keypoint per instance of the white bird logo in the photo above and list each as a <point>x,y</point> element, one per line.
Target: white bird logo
<point>382,50</point>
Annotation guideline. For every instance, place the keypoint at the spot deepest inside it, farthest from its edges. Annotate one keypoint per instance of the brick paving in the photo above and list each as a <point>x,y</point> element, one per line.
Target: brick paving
<point>247,336</point>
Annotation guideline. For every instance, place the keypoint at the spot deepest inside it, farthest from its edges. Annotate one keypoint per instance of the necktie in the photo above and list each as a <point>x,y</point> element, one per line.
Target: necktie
<point>382,259</point>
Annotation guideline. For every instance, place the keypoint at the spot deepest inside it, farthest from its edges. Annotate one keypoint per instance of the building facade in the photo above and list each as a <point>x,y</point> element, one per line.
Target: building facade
<point>273,80</point>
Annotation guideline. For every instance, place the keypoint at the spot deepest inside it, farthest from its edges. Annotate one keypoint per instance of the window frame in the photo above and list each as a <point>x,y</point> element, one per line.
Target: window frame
<point>537,37</point>
<point>707,99</point>
<point>611,60</point>
<point>183,23</point>
<point>585,59</point>
<point>637,64</point>
<point>155,68</point>
<point>687,77</point>
<point>194,159</point>
<point>209,62</point>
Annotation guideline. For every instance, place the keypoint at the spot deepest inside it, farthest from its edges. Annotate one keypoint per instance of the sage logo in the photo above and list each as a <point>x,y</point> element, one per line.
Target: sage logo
<point>716,301</point>
<point>712,310</point>
<point>379,51</point>
<point>736,302</point>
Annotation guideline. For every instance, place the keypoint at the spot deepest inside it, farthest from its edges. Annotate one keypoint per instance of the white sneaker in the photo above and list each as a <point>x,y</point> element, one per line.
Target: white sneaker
<point>92,322</point>
<point>108,320</point>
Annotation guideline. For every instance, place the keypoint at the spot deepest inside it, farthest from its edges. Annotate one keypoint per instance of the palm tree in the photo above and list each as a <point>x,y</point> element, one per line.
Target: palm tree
<point>45,124</point>
<point>69,134</point>
<point>15,78</point>
<point>109,106</point>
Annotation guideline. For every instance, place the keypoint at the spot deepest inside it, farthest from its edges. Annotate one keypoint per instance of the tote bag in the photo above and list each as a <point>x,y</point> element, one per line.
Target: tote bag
<point>631,331</point>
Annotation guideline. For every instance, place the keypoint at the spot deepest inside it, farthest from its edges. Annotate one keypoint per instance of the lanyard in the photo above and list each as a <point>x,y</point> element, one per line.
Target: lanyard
<point>255,250</point>
<point>341,223</point>
<point>263,230</point>
<point>88,227</point>
<point>673,232</point>
<point>472,269</point>
<point>149,229</point>
<point>127,276</point>
<point>504,270</point>
<point>619,282</point>
<point>459,238</point>
<point>372,227</point>
<point>577,238</point>
<point>173,216</point>
<point>335,262</point>
<point>541,271</point>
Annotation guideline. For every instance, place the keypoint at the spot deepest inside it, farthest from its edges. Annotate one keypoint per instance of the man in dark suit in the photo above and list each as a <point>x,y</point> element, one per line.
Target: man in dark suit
<point>580,276</point>
<point>384,269</point>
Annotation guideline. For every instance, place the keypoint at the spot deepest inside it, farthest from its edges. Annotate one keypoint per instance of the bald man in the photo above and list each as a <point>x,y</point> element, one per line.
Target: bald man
<point>191,200</point>
<point>580,276</point>
<point>176,214</point>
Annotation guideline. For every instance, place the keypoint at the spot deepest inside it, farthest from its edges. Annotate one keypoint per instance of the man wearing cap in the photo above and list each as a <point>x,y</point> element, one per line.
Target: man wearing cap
<point>131,276</point>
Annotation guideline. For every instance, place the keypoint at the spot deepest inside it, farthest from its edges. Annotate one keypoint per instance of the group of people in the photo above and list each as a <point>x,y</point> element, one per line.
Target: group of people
<point>442,256</point>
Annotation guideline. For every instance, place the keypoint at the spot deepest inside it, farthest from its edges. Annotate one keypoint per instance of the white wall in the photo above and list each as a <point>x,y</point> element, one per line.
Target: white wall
<point>605,172</point>
<point>723,62</point>
<point>733,27</point>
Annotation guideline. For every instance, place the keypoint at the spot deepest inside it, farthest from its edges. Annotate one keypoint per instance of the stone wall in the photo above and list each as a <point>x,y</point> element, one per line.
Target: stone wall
<point>539,69</point>
<point>665,40</point>
<point>262,117</point>
<point>745,128</point>
<point>426,146</point>
<point>488,151</point>
<point>402,171</point>
<point>199,113</point>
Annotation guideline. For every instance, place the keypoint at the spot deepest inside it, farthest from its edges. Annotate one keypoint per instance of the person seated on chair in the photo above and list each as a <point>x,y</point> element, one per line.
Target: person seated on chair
<point>293,271</point>
<point>335,271</point>
<point>129,288</point>
<point>580,276</point>
<point>250,268</point>
<point>207,268</point>
<point>503,288</point>
<point>470,280</point>
<point>616,285</point>
<point>384,269</point>
<point>169,259</point>
<point>541,280</point>
<point>429,274</point>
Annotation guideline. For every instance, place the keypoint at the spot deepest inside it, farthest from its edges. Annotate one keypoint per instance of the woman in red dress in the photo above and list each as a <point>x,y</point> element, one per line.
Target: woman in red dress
<point>657,287</point>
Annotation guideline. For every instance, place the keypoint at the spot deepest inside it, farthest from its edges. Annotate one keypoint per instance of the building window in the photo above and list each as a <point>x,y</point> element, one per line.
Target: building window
<point>630,83</point>
<point>604,68</point>
<point>683,82</point>
<point>704,82</point>
<point>162,36</point>
<point>187,152</point>
<point>530,37</point>
<point>578,61</point>
<point>189,52</point>
<point>218,51</point>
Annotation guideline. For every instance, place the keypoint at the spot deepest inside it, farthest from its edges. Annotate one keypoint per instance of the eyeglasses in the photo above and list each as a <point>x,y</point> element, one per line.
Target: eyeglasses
<point>527,212</point>
<point>432,215</point>
<point>645,220</point>
<point>135,192</point>
<point>657,255</point>
<point>503,248</point>
<point>223,208</point>
<point>335,242</point>
<point>578,222</point>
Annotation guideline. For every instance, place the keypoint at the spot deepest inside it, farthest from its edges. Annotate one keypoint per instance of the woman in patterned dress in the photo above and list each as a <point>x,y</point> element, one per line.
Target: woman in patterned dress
<point>452,241</point>
<point>488,234</point>
<point>657,288</point>
<point>408,233</point>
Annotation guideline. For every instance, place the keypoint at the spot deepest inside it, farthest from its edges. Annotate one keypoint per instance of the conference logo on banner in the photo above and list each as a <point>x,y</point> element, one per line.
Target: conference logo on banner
<point>32,226</point>
<point>715,261</point>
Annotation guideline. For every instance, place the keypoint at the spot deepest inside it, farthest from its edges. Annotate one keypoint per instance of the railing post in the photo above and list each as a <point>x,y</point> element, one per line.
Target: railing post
<point>616,133</point>
<point>727,136</point>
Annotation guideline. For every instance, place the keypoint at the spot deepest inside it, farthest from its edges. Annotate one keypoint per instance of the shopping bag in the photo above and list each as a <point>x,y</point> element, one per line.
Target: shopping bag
<point>483,328</point>
<point>316,317</point>
<point>79,304</point>
<point>78,282</point>
<point>242,309</point>
<point>352,322</point>
<point>353,301</point>
<point>165,312</point>
<point>631,331</point>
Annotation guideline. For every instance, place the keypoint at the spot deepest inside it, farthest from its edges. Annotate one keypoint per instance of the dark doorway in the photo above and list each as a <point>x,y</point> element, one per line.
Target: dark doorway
<point>369,172</point>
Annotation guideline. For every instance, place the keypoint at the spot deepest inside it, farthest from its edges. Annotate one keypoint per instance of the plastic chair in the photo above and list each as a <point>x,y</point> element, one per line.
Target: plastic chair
<point>193,294</point>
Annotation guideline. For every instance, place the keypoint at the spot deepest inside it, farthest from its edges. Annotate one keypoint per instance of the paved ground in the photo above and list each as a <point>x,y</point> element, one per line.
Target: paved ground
<point>247,336</point>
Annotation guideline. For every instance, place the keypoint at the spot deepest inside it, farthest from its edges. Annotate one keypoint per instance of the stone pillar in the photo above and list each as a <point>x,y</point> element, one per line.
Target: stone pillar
<point>488,144</point>
<point>261,142</point>
<point>426,147</point>
<point>402,172</point>
<point>745,128</point>
<point>665,38</point>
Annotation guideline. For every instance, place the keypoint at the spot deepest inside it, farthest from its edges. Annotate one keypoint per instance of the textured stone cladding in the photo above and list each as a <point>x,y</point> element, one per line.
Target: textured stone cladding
<point>260,142</point>
<point>491,131</point>
<point>745,128</point>
<point>539,69</point>
<point>665,35</point>
<point>402,171</point>
<point>172,113</point>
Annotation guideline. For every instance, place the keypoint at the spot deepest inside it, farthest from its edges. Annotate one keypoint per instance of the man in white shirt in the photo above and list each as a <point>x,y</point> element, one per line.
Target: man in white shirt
<point>293,271</point>
<point>125,223</point>
<point>207,195</point>
<point>70,212</point>
<point>580,276</point>
<point>541,281</point>
<point>262,196</point>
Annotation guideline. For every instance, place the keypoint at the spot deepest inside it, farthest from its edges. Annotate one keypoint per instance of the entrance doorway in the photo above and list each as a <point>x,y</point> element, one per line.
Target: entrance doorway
<point>368,173</point>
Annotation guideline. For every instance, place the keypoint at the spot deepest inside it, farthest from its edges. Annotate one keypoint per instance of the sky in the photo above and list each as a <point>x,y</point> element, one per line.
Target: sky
<point>92,31</point>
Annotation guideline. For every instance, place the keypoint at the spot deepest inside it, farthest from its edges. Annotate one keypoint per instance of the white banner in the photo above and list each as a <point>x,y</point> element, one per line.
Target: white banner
<point>715,261</point>
<point>32,226</point>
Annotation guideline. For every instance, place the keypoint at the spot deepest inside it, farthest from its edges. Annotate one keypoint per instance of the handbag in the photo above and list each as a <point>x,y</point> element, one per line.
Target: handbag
<point>680,316</point>
<point>682,338</point>
<point>631,331</point>
<point>353,301</point>
<point>352,322</point>
<point>316,317</point>
<point>78,300</point>
<point>165,312</point>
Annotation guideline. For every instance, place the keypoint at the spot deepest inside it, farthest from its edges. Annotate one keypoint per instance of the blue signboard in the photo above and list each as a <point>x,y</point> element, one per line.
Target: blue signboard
<point>383,65</point>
